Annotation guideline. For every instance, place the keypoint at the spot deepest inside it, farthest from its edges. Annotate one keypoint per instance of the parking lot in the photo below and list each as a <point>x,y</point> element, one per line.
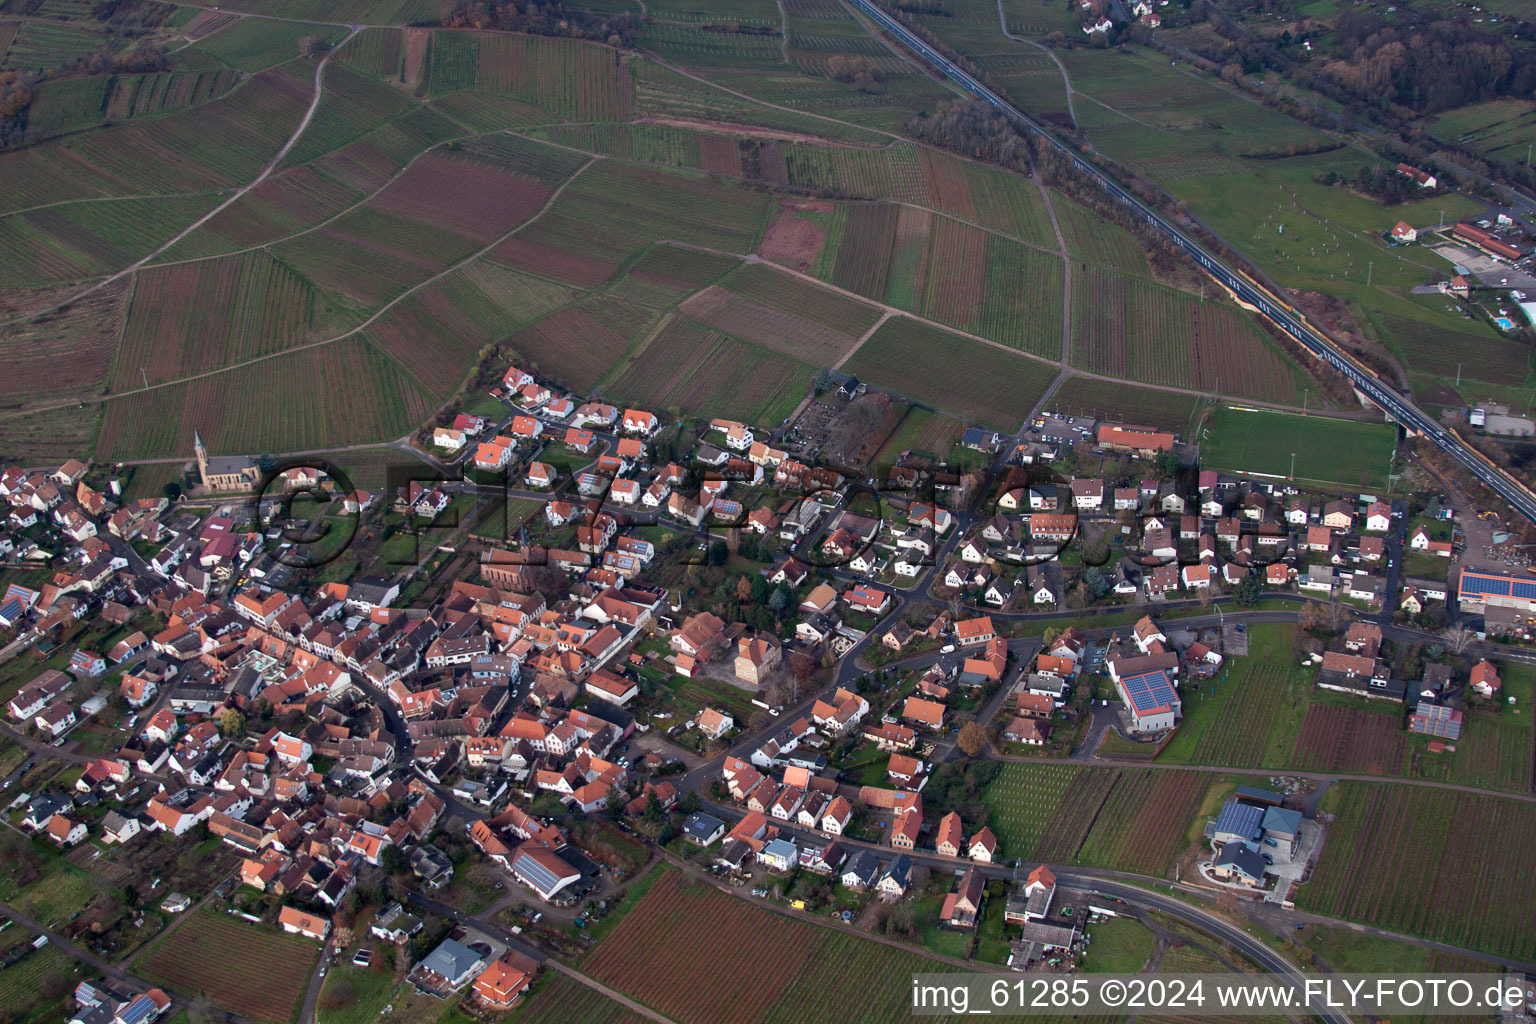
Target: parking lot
<point>1060,429</point>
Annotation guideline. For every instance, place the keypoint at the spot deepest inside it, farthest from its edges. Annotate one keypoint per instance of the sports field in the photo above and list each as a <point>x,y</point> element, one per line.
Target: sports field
<point>1328,451</point>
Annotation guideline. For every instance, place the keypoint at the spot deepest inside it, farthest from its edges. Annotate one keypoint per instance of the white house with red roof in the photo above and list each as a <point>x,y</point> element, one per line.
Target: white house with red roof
<point>291,749</point>
<point>494,454</point>
<point>311,926</point>
<point>637,421</point>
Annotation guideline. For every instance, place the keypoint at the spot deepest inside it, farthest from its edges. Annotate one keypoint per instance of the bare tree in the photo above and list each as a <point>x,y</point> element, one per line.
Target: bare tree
<point>1338,616</point>
<point>1457,638</point>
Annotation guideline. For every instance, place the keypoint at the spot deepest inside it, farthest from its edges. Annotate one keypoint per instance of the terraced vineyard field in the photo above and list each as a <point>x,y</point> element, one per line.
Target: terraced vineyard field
<point>1126,327</point>
<point>317,398</point>
<point>1064,814</point>
<point>952,373</point>
<point>782,970</point>
<point>1350,740</point>
<point>256,972</point>
<point>572,346</point>
<point>1397,857</point>
<point>689,366</point>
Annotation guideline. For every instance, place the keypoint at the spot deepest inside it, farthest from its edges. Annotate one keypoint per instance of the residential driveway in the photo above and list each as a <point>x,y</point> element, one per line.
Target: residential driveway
<point>1105,717</point>
<point>316,982</point>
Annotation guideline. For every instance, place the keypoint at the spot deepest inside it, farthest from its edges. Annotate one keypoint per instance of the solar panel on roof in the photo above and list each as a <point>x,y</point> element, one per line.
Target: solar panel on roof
<point>1239,819</point>
<point>540,876</point>
<point>136,1011</point>
<point>1149,691</point>
<point>1485,584</point>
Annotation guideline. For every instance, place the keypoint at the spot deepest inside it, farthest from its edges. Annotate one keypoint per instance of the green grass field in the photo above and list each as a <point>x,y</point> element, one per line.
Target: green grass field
<point>353,995</point>
<point>1118,945</point>
<point>1347,453</point>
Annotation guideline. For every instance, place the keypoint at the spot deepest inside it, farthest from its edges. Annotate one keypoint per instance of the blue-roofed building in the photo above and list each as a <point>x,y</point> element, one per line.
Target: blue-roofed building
<point>11,613</point>
<point>1238,822</point>
<point>861,871</point>
<point>1282,828</point>
<point>897,878</point>
<point>1255,795</point>
<point>446,969</point>
<point>24,596</point>
<point>778,855</point>
<point>1151,699</point>
<point>137,1011</point>
<point>702,829</point>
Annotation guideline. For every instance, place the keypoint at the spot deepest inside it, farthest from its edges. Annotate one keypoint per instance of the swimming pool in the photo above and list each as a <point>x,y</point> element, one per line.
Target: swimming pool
<point>1505,323</point>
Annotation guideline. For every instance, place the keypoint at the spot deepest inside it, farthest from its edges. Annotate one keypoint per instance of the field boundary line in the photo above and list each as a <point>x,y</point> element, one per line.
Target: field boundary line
<point>783,33</point>
<point>754,258</point>
<point>111,199</point>
<point>1066,258</point>
<point>266,172</point>
<point>369,197</point>
<point>364,446</point>
<point>521,133</point>
<point>1112,763</point>
<point>391,304</point>
<point>1066,79</point>
<point>631,354</point>
<point>859,342</point>
<point>1036,246</point>
<point>614,994</point>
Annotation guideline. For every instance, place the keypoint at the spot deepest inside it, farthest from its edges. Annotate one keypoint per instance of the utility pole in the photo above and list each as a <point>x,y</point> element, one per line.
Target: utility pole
<point>1369,266</point>
<point>1442,221</point>
<point>1458,375</point>
<point>145,376</point>
<point>1293,467</point>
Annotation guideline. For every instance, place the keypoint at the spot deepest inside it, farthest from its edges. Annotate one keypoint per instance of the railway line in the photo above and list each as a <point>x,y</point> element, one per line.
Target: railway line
<point>1242,286</point>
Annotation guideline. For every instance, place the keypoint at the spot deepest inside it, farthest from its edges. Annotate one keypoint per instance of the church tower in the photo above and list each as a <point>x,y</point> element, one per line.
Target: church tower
<point>201,451</point>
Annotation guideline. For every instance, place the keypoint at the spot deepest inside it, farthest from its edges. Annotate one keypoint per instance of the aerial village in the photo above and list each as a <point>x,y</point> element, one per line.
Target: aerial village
<point>702,639</point>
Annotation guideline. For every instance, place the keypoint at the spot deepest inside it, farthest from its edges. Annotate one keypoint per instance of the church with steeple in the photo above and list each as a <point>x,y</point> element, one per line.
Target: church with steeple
<point>224,472</point>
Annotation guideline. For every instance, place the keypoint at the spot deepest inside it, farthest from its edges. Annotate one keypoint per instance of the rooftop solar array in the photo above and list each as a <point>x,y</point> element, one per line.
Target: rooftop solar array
<point>1437,720</point>
<point>1498,586</point>
<point>1239,819</point>
<point>1150,692</point>
<point>535,871</point>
